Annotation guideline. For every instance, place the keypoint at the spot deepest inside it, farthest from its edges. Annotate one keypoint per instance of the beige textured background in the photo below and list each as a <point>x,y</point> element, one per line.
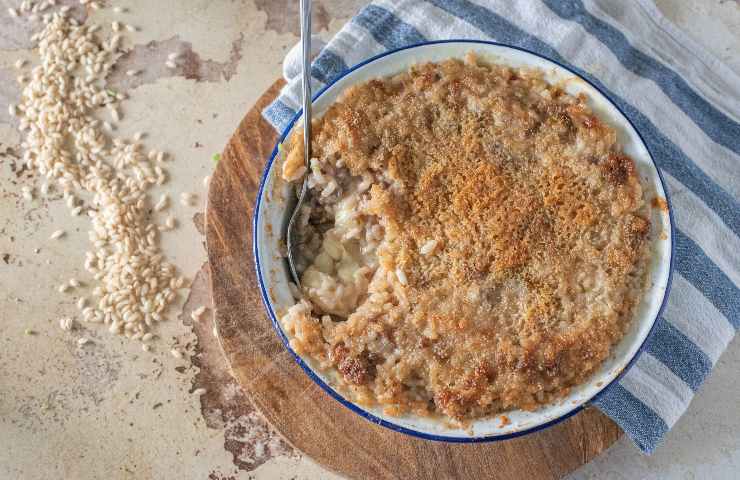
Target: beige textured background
<point>109,410</point>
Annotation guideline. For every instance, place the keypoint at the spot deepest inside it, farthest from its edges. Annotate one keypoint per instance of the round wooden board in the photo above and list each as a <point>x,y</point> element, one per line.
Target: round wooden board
<point>303,413</point>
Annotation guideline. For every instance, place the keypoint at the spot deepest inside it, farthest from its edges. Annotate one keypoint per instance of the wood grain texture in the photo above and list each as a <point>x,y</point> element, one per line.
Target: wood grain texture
<point>304,414</point>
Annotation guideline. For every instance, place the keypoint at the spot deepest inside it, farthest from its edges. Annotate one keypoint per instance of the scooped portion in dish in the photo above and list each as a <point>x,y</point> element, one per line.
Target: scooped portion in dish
<point>475,241</point>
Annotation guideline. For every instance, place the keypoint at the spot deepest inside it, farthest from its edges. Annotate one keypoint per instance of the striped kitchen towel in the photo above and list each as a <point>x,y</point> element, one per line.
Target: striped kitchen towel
<point>686,104</point>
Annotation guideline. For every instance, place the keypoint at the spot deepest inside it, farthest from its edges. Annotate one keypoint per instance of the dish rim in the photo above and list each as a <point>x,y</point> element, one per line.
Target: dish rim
<point>409,431</point>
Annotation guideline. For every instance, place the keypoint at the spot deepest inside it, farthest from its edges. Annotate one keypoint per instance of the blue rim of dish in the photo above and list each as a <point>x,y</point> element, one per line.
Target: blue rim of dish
<point>398,428</point>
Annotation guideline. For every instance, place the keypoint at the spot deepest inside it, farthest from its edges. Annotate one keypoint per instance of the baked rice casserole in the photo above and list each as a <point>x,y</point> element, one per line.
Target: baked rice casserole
<point>475,241</point>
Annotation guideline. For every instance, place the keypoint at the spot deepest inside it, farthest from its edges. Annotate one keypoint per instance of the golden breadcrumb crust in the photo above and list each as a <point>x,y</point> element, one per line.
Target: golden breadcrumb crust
<point>539,234</point>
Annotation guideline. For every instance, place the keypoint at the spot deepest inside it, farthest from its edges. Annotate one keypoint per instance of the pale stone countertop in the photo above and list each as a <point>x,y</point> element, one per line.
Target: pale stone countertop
<point>109,410</point>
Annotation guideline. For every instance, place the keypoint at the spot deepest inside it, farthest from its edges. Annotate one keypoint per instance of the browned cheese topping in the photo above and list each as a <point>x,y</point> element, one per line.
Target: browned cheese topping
<point>513,245</point>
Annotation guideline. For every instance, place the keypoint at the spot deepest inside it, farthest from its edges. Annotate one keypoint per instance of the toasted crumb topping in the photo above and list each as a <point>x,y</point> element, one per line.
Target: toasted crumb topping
<point>513,247</point>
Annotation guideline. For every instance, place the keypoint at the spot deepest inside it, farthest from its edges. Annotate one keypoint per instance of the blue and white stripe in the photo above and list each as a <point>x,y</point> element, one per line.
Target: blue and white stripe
<point>685,102</point>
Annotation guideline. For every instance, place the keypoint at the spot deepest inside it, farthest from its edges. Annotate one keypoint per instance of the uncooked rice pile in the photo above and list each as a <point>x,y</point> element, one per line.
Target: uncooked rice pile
<point>62,113</point>
<point>476,241</point>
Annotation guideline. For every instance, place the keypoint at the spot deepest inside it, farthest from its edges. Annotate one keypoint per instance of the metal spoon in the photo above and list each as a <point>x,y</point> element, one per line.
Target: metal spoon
<point>306,77</point>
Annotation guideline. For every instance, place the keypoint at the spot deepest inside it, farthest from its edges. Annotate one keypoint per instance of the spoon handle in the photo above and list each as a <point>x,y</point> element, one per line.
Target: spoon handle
<point>306,77</point>
<point>306,74</point>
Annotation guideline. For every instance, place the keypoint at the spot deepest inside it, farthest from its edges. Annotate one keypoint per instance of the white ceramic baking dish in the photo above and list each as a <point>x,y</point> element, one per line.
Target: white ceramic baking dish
<point>271,211</point>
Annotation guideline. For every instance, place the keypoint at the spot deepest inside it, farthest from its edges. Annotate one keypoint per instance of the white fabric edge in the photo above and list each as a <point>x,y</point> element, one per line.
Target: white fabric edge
<point>695,317</point>
<point>658,388</point>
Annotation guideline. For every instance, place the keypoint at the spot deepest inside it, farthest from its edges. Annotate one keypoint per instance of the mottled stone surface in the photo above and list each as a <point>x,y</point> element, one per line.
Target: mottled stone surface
<point>224,405</point>
<point>108,409</point>
<point>283,15</point>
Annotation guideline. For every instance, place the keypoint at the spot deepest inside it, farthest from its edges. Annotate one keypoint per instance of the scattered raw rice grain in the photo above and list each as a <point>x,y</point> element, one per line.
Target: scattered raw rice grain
<point>85,160</point>
<point>12,110</point>
<point>197,313</point>
<point>132,72</point>
<point>199,391</point>
<point>22,79</point>
<point>170,223</point>
<point>29,331</point>
<point>27,193</point>
<point>82,341</point>
<point>13,12</point>
<point>176,353</point>
<point>170,64</point>
<point>161,178</point>
<point>119,10</point>
<point>114,41</point>
<point>147,336</point>
<point>65,323</point>
<point>20,63</point>
<point>44,188</point>
<point>76,211</point>
<point>63,288</point>
<point>138,136</point>
<point>162,203</point>
<point>174,56</point>
<point>206,180</point>
<point>186,199</point>
<point>131,28</point>
<point>146,347</point>
<point>81,303</point>
<point>74,283</point>
<point>116,26</point>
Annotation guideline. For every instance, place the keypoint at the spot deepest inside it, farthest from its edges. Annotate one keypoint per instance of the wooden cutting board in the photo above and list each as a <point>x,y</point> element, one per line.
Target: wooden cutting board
<point>305,415</point>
